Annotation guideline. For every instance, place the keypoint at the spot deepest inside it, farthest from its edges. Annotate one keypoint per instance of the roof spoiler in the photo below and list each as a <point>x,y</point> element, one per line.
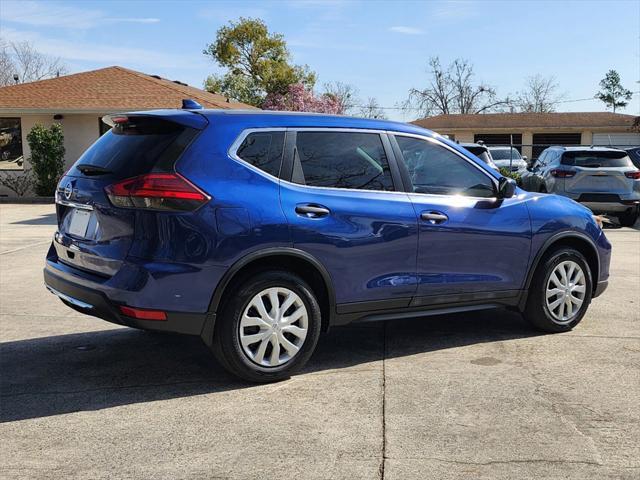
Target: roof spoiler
<point>181,117</point>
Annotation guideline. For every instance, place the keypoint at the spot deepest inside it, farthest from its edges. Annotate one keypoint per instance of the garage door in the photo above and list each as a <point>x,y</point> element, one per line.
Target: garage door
<point>544,140</point>
<point>617,139</point>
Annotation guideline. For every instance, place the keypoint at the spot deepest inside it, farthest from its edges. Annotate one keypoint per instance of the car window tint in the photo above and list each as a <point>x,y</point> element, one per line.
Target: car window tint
<point>263,150</point>
<point>341,160</point>
<point>596,159</point>
<point>435,170</point>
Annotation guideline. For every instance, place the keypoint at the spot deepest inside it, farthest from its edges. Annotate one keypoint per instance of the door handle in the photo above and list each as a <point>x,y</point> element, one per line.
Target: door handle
<point>312,211</point>
<point>434,217</point>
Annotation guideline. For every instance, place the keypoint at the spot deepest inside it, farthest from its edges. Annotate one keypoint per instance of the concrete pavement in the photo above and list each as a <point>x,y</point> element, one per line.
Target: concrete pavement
<point>462,396</point>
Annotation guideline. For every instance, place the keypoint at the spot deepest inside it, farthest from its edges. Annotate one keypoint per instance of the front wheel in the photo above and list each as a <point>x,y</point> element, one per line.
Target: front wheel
<point>269,329</point>
<point>560,291</point>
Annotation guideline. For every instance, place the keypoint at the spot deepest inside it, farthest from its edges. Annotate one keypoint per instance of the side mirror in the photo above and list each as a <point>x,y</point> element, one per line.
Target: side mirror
<point>506,187</point>
<point>525,158</point>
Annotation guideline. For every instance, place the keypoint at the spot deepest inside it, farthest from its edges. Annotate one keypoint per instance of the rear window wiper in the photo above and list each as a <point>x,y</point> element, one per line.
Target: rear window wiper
<point>89,169</point>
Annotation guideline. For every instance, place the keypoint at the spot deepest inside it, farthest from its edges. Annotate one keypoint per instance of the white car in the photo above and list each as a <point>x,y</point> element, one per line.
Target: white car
<point>508,157</point>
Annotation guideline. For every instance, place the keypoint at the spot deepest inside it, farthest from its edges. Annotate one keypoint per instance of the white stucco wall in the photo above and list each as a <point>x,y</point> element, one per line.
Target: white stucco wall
<point>80,131</point>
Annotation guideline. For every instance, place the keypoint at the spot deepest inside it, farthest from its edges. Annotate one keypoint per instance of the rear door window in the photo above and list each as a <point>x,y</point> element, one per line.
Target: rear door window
<point>142,145</point>
<point>341,160</point>
<point>263,150</point>
<point>595,159</point>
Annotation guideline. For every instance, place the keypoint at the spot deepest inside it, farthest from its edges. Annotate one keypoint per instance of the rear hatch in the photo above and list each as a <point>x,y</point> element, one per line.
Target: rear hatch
<point>597,172</point>
<point>128,170</point>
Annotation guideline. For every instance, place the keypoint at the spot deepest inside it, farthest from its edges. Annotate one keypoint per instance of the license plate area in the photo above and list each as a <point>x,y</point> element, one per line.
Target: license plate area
<point>79,222</point>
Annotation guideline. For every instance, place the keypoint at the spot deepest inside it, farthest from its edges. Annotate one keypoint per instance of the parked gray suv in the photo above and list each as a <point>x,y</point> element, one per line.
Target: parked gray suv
<point>603,179</point>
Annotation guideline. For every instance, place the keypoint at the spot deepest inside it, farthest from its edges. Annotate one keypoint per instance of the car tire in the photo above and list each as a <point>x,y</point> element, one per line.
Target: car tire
<point>250,341</point>
<point>546,308</point>
<point>629,218</point>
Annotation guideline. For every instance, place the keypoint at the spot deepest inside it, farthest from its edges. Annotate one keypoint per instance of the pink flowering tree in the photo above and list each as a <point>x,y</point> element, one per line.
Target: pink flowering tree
<point>299,98</point>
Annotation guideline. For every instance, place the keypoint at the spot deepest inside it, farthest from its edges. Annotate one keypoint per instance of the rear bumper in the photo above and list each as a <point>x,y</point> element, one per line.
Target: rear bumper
<point>95,303</point>
<point>605,202</point>
<point>601,207</point>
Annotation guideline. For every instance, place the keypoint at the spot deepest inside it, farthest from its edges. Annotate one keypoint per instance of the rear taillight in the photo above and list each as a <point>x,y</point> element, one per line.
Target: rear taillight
<point>559,173</point>
<point>157,191</point>
<point>634,174</point>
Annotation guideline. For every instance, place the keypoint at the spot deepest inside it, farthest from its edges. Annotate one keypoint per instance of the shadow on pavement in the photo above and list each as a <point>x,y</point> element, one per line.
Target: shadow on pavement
<point>48,219</point>
<point>96,370</point>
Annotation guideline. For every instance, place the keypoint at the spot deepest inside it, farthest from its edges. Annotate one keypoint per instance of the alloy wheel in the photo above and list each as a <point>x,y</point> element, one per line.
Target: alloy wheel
<point>273,327</point>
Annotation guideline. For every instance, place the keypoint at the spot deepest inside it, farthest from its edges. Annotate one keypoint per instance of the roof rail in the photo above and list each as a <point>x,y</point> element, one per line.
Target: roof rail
<point>189,104</point>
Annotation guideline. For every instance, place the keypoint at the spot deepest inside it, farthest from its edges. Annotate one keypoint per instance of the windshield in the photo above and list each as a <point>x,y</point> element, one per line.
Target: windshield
<point>505,154</point>
<point>594,159</point>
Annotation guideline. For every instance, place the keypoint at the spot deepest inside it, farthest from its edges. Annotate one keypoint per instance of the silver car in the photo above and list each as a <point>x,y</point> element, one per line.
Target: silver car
<point>508,157</point>
<point>603,179</point>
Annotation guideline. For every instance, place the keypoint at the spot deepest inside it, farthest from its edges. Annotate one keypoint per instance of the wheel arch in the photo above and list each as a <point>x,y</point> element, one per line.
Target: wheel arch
<point>578,240</point>
<point>282,258</point>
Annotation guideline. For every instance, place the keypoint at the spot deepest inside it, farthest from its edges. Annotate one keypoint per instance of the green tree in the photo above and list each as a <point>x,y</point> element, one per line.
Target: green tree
<point>613,94</point>
<point>257,63</point>
<point>47,157</point>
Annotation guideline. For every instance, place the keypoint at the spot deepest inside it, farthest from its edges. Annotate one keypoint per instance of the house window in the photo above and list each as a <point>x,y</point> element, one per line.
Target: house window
<point>11,144</point>
<point>103,127</point>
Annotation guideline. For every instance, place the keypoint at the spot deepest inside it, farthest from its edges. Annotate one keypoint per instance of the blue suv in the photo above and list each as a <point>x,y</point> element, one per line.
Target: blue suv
<point>259,230</point>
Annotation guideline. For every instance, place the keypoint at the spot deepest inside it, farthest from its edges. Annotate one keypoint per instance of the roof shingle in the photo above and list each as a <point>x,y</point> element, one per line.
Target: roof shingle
<point>528,120</point>
<point>107,89</point>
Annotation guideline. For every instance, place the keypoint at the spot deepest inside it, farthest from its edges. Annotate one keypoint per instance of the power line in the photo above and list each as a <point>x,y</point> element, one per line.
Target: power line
<point>418,108</point>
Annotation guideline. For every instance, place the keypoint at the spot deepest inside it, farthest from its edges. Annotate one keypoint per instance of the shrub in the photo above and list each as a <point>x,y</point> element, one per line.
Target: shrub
<point>506,172</point>
<point>47,157</point>
<point>18,182</point>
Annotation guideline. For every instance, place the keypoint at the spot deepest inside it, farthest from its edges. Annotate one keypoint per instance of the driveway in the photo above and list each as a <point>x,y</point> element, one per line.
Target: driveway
<point>461,396</point>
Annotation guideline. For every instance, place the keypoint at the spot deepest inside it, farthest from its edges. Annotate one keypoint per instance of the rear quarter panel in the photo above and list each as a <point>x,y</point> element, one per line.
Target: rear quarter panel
<point>244,213</point>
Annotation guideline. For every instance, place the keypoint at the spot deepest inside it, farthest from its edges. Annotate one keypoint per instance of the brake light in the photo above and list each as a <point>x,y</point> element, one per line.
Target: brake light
<point>120,120</point>
<point>157,191</point>
<point>634,174</point>
<point>142,314</point>
<point>558,173</point>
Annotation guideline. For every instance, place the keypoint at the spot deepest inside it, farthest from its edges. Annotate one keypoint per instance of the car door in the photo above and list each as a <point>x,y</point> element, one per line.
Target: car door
<point>338,192</point>
<point>471,244</point>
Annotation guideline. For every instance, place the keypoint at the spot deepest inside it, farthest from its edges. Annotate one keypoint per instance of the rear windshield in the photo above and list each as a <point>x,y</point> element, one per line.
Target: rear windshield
<point>596,159</point>
<point>505,154</point>
<point>142,145</point>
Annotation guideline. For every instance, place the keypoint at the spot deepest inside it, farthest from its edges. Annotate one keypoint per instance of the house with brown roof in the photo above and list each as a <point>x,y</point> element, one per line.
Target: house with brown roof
<point>79,101</point>
<point>533,132</point>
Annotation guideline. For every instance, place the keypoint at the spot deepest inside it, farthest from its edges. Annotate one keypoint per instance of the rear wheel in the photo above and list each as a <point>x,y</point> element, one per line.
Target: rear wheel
<point>560,291</point>
<point>269,329</point>
<point>629,218</point>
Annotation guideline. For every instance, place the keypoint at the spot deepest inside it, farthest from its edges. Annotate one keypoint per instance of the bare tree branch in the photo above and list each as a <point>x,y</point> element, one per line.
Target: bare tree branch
<point>452,90</point>
<point>23,60</point>
<point>371,109</point>
<point>540,95</point>
<point>345,94</point>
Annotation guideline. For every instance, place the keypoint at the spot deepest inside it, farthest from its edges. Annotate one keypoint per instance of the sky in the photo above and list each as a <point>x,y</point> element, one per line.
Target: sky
<point>380,47</point>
